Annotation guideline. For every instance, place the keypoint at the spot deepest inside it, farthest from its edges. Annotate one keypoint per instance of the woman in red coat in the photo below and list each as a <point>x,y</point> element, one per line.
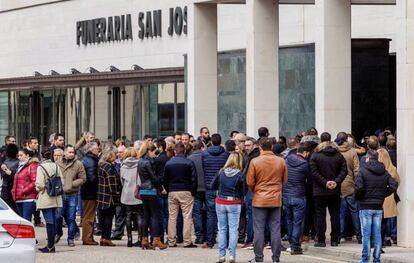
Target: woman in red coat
<point>24,191</point>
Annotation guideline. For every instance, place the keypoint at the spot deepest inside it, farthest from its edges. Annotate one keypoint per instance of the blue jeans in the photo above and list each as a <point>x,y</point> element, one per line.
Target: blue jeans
<point>249,214</point>
<point>228,220</point>
<point>199,223</point>
<point>68,212</point>
<point>211,217</point>
<point>294,208</point>
<point>50,214</point>
<point>26,209</point>
<point>391,230</point>
<point>79,205</point>
<point>349,204</point>
<point>371,224</point>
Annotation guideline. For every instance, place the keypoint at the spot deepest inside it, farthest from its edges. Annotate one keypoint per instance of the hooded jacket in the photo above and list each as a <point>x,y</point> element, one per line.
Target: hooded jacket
<point>129,180</point>
<point>24,181</point>
<point>213,160</point>
<point>230,184</point>
<point>73,174</point>
<point>327,164</point>
<point>180,175</point>
<point>298,174</point>
<point>90,187</point>
<point>352,164</point>
<point>373,184</point>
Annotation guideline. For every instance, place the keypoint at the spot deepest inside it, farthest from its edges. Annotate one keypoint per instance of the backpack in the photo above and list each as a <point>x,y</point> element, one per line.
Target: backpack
<point>54,186</point>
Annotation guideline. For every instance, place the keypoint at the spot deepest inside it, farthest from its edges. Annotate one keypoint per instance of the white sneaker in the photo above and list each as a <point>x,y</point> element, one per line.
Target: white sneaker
<point>232,259</point>
<point>288,249</point>
<point>343,240</point>
<point>221,260</point>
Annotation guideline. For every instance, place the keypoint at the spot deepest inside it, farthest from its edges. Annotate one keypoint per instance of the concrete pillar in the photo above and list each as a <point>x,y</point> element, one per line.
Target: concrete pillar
<point>262,66</point>
<point>202,68</point>
<point>333,66</point>
<point>405,120</point>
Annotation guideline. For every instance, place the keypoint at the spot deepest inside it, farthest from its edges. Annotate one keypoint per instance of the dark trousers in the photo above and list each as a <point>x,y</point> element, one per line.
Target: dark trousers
<point>271,218</point>
<point>120,216</point>
<point>211,217</point>
<point>107,217</point>
<point>310,217</point>
<point>242,223</point>
<point>151,208</point>
<point>36,216</point>
<point>333,203</point>
<point>199,220</point>
<point>249,216</point>
<point>133,213</point>
<point>349,206</point>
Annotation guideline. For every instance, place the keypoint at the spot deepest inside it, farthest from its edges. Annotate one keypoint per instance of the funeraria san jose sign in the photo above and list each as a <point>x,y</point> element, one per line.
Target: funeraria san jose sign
<point>118,28</point>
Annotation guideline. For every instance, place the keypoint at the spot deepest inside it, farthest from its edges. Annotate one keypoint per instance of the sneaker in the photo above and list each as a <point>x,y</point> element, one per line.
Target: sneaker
<point>288,250</point>
<point>232,259</point>
<point>71,243</point>
<point>343,240</point>
<point>248,246</point>
<point>221,260</point>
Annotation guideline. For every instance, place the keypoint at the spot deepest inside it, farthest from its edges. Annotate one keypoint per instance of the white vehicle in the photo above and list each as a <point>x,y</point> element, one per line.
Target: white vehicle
<point>17,237</point>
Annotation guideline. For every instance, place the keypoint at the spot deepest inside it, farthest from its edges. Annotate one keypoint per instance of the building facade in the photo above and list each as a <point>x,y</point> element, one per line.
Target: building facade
<point>128,68</point>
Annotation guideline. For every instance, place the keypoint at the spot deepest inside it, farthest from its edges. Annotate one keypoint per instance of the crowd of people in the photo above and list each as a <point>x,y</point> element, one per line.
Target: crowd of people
<point>256,192</point>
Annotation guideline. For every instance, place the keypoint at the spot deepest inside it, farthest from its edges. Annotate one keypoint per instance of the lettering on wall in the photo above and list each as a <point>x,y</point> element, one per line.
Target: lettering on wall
<point>119,28</point>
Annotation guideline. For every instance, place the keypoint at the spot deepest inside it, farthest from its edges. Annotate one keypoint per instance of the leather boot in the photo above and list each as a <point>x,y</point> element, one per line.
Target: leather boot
<point>145,243</point>
<point>158,244</point>
<point>128,225</point>
<point>107,243</point>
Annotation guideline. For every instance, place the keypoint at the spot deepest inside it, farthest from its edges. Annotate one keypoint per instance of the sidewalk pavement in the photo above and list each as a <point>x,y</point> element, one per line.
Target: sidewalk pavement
<point>351,252</point>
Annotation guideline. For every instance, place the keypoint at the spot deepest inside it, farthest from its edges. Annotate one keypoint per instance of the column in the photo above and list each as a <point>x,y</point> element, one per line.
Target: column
<point>262,66</point>
<point>202,68</point>
<point>405,120</point>
<point>333,66</point>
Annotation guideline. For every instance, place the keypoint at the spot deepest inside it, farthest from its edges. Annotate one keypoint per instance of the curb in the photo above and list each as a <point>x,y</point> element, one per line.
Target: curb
<point>346,255</point>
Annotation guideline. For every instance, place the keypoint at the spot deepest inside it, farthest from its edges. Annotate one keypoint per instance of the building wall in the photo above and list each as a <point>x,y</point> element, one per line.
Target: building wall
<point>43,38</point>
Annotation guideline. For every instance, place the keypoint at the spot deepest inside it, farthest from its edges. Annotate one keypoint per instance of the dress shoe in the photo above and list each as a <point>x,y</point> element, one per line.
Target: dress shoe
<point>47,250</point>
<point>190,246</point>
<point>320,244</point>
<point>90,243</point>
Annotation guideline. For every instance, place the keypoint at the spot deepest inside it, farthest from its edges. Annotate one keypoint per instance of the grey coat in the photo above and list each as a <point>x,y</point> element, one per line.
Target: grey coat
<point>129,176</point>
<point>196,158</point>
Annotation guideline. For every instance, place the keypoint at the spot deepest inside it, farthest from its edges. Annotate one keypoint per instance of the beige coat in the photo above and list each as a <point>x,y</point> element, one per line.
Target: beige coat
<point>44,200</point>
<point>390,206</point>
<point>74,175</point>
<point>352,164</point>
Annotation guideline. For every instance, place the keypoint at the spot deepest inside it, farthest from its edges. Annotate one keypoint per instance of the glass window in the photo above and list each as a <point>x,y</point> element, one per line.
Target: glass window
<point>296,89</point>
<point>231,92</point>
<point>165,109</point>
<point>4,115</point>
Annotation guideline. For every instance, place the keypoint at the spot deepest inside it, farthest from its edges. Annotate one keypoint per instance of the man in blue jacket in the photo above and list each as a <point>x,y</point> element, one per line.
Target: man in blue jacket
<point>213,160</point>
<point>180,181</point>
<point>294,195</point>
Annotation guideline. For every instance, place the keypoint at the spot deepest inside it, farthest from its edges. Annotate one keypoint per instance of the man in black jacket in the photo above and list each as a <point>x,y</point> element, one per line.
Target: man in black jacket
<point>329,169</point>
<point>372,185</point>
<point>180,181</point>
<point>252,151</point>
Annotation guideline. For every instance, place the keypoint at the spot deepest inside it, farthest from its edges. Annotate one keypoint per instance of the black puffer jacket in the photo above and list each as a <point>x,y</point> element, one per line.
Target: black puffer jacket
<point>146,171</point>
<point>373,183</point>
<point>327,164</point>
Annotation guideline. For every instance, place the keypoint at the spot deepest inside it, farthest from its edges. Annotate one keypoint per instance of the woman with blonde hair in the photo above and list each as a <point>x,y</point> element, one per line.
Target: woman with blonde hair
<point>390,205</point>
<point>229,183</point>
<point>130,180</point>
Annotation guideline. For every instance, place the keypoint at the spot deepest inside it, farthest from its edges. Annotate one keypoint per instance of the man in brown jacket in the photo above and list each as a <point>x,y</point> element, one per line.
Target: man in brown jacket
<point>265,177</point>
<point>74,176</point>
<point>348,202</point>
